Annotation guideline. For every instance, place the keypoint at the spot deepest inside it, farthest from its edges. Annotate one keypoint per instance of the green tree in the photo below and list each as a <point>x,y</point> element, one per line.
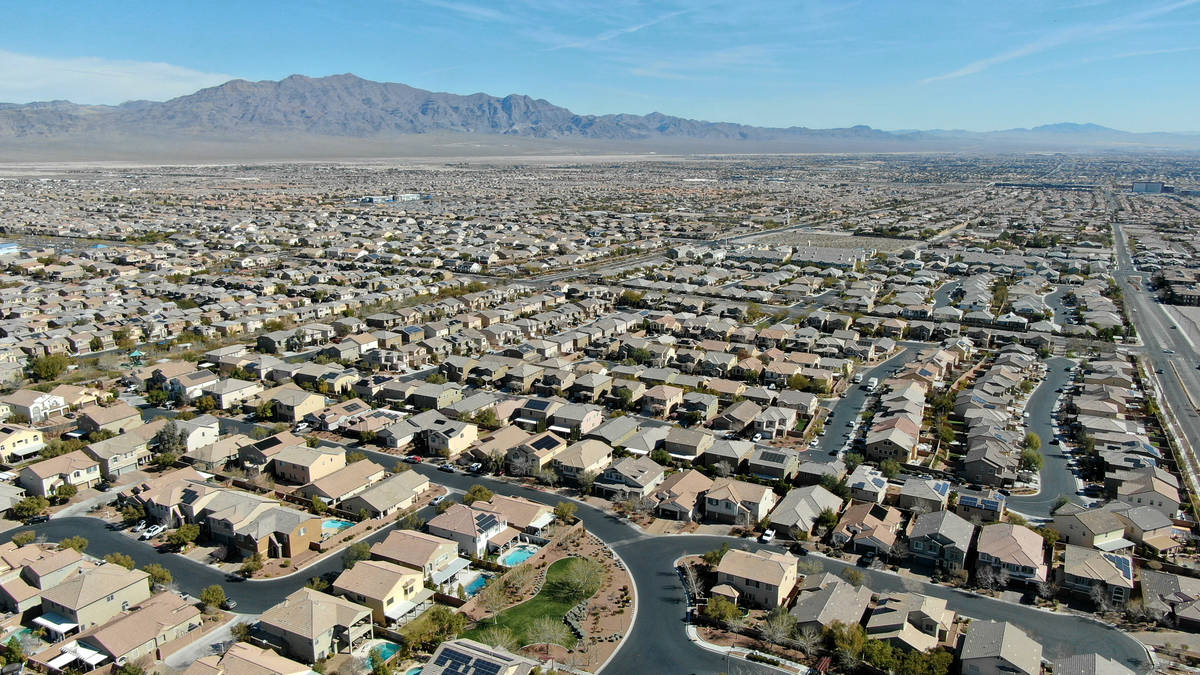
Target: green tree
<point>171,439</point>
<point>722,609</point>
<point>131,513</point>
<point>890,468</point>
<point>565,511</point>
<point>65,491</point>
<point>352,457</point>
<point>49,368</point>
<point>184,535</point>
<point>159,575</point>
<point>120,559</point>
<point>713,557</point>
<point>156,397</point>
<point>165,460</point>
<point>1033,441</point>
<point>251,565</point>
<point>854,576</point>
<point>1031,460</point>
<point>212,596</point>
<point>827,519</point>
<point>240,631</point>
<point>853,459</point>
<point>379,664</point>
<point>24,538</point>
<point>76,542</point>
<point>355,552</point>
<point>30,507</point>
<point>477,493</point>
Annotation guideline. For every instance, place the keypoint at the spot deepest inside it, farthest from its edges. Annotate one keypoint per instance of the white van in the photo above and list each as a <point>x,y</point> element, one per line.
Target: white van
<point>857,378</point>
<point>872,384</point>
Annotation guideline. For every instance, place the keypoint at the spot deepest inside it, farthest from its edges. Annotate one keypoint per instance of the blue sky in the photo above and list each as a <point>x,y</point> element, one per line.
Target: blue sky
<point>987,64</point>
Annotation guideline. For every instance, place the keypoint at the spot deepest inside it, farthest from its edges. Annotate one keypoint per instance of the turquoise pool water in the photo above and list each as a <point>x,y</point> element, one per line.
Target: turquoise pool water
<point>414,671</point>
<point>335,524</point>
<point>387,649</point>
<point>477,584</point>
<point>518,555</point>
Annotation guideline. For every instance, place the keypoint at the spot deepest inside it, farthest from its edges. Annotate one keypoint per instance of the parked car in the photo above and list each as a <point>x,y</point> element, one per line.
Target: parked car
<point>768,536</point>
<point>447,467</point>
<point>438,500</point>
<point>229,604</point>
<point>153,531</point>
<point>867,559</point>
<point>413,459</point>
<point>476,467</point>
<point>141,525</point>
<point>38,519</point>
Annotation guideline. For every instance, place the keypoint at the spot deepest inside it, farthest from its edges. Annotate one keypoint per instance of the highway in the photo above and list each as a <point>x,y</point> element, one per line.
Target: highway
<point>657,636</point>
<point>1158,333</point>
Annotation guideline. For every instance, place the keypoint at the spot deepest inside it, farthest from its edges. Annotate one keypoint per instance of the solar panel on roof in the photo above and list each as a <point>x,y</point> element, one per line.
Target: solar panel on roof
<point>486,521</point>
<point>773,457</point>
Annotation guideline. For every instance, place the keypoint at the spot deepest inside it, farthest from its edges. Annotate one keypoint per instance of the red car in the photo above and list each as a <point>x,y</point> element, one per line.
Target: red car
<point>414,459</point>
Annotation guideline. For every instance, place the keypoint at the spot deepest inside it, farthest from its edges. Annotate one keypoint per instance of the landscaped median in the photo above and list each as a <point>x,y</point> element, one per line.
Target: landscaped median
<point>571,602</point>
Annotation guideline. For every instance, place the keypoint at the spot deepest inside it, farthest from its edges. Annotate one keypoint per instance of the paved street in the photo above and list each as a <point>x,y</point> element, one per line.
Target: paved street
<point>657,635</point>
<point>1057,479</point>
<point>850,406</point>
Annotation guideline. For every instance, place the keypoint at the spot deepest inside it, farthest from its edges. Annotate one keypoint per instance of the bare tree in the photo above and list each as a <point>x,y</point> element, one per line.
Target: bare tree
<point>778,626</point>
<point>692,581</point>
<point>499,636</point>
<point>808,638</point>
<point>492,599</point>
<point>1100,598</point>
<point>547,630</point>
<point>1047,589</point>
<point>986,577</point>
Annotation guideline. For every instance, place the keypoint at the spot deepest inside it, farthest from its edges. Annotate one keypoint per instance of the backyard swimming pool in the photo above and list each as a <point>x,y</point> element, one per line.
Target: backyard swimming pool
<point>477,584</point>
<point>518,555</point>
<point>386,649</point>
<point>334,525</point>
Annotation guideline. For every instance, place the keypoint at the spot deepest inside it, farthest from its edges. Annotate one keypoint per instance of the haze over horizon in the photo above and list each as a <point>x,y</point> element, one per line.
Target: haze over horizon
<point>921,65</point>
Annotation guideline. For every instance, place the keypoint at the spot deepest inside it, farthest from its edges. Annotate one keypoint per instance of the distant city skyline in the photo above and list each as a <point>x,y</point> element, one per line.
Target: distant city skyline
<point>911,65</point>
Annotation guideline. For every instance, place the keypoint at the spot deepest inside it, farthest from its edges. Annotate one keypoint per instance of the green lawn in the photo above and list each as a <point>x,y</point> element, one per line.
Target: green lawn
<point>548,602</point>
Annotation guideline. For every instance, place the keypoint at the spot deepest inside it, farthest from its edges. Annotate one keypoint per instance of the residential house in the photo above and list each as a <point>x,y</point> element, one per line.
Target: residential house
<point>391,495</point>
<point>34,406</point>
<point>868,527</point>
<point>299,464</point>
<point>310,625</point>
<point>74,468</point>
<point>1000,648</point>
<point>18,443</point>
<point>761,579</point>
<point>433,556</point>
<point>1099,573</point>
<point>941,539</point>
<point>91,597</point>
<point>1015,549</point>
<point>117,418</point>
<point>729,500</point>
<point>587,457</point>
<point>341,484</point>
<point>472,529</point>
<point>629,477</point>
<point>392,592</point>
<point>825,598</point>
<point>910,621</point>
<point>679,495</point>
<point>796,514</point>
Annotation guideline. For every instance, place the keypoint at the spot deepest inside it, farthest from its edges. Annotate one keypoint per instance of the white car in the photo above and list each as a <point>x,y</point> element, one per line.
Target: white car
<point>768,536</point>
<point>153,531</point>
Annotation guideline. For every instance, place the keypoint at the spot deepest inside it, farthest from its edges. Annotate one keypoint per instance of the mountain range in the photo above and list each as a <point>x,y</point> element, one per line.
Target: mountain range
<point>344,113</point>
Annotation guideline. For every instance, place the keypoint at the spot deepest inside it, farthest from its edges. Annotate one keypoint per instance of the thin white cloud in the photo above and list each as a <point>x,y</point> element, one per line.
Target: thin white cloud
<point>470,11</point>
<point>617,32</point>
<point>1063,37</point>
<point>89,79</point>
